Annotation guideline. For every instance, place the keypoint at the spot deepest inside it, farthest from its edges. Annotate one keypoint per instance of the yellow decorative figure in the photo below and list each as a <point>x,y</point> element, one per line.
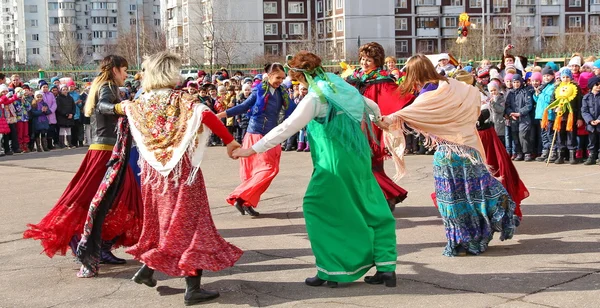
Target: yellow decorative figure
<point>564,93</point>
<point>463,28</point>
<point>347,70</point>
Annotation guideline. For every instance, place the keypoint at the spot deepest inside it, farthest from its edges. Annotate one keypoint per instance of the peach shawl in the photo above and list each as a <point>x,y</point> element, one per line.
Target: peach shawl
<point>445,116</point>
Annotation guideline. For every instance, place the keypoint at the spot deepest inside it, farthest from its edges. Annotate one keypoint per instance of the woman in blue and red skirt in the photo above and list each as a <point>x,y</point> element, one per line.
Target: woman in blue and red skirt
<point>119,219</point>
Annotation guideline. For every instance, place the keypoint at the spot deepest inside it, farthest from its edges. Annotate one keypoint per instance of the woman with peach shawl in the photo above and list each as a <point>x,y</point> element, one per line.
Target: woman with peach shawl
<point>473,204</point>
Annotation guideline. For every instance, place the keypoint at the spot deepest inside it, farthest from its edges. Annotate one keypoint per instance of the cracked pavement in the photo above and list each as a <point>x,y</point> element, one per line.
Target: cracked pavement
<point>553,260</point>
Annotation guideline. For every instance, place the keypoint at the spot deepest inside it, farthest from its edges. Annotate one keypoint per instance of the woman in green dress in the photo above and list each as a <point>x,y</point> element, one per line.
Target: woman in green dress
<point>348,221</point>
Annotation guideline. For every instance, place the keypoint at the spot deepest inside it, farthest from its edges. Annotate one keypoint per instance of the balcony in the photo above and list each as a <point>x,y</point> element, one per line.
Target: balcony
<point>595,8</point>
<point>428,10</point>
<point>429,32</point>
<point>525,10</point>
<point>550,9</point>
<point>452,10</point>
<point>550,30</point>
<point>525,31</point>
<point>449,32</point>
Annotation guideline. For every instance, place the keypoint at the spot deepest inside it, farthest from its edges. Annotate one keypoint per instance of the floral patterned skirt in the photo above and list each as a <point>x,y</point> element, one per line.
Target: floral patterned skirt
<point>473,204</point>
<point>179,235</point>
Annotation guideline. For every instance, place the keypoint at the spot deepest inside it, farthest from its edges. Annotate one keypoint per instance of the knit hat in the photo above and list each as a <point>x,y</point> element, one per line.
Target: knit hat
<point>597,64</point>
<point>575,61</point>
<point>464,76</point>
<point>493,85</point>
<point>547,71</point>
<point>593,81</point>
<point>468,68</point>
<point>258,77</point>
<point>509,76</point>
<point>552,65</point>
<point>443,56</point>
<point>588,64</point>
<point>38,92</point>
<point>3,88</point>
<point>517,77</point>
<point>536,76</point>
<point>528,75</point>
<point>247,80</point>
<point>54,79</point>
<point>483,72</point>
<point>584,78</point>
<point>42,83</point>
<point>566,72</point>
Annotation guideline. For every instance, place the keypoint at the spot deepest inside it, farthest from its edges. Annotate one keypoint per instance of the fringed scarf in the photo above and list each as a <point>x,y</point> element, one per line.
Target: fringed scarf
<point>361,79</point>
<point>262,98</point>
<point>88,251</point>
<point>445,116</point>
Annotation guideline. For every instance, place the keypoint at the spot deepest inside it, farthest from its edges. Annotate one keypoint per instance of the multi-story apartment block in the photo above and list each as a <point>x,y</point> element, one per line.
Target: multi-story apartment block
<point>43,32</point>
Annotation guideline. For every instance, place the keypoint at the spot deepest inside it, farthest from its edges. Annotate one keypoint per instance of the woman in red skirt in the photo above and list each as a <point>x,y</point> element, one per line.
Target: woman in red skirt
<point>373,82</point>
<point>119,223</point>
<point>171,129</point>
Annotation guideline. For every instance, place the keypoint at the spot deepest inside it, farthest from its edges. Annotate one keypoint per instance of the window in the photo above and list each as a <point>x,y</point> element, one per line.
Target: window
<point>33,9</point>
<point>157,22</point>
<point>476,21</point>
<point>320,27</point>
<point>401,46</point>
<point>112,20</point>
<point>328,6</point>
<point>456,2</point>
<point>550,2</point>
<point>66,5</point>
<point>35,51</point>
<point>80,36</point>
<point>339,25</point>
<point>401,24</point>
<point>296,28</point>
<point>132,21</point>
<point>271,29</point>
<point>133,7</point>
<point>270,8</point>
<point>475,3</point>
<point>319,6</point>
<point>549,21</point>
<point>428,22</point>
<point>112,34</point>
<point>35,37</point>
<point>425,2</point>
<point>33,23</point>
<point>52,6</point>
<point>525,2</point>
<point>339,4</point>
<point>450,22</point>
<point>596,2</point>
<point>500,23</point>
<point>594,21</point>
<point>400,4</point>
<point>575,3</point>
<point>427,46</point>
<point>574,21</point>
<point>99,6</point>
<point>111,6</point>
<point>295,7</point>
<point>54,21</point>
<point>272,49</point>
<point>500,3</point>
<point>329,26</point>
<point>525,21</point>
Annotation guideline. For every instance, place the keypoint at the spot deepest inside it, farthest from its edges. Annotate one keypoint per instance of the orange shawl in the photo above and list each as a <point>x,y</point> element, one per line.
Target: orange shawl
<point>444,116</point>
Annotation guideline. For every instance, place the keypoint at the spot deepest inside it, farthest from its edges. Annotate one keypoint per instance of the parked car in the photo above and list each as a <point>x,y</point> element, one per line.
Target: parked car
<point>189,74</point>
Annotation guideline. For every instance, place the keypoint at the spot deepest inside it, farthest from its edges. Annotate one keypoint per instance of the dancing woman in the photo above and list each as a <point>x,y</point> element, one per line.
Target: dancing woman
<point>349,226</point>
<point>473,204</point>
<point>120,221</point>
<point>171,129</point>
<point>267,100</point>
<point>375,83</point>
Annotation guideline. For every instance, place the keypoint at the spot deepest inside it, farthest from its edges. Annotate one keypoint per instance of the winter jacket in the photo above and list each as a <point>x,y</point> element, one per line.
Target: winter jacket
<point>543,100</point>
<point>39,118</point>
<point>590,111</point>
<point>22,107</point>
<point>497,107</point>
<point>520,101</point>
<point>65,107</point>
<point>10,113</point>
<point>76,97</point>
<point>50,99</point>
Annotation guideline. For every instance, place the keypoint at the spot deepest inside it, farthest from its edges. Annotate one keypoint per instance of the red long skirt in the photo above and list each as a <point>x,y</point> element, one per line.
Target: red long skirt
<point>391,190</point>
<point>179,235</point>
<point>256,172</point>
<point>502,166</point>
<point>68,216</point>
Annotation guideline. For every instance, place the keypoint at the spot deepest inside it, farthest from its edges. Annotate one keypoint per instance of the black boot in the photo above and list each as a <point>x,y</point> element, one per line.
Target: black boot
<point>561,158</point>
<point>573,160</point>
<point>392,204</point>
<point>194,294</point>
<point>45,145</point>
<point>316,281</point>
<point>591,160</point>
<point>387,278</point>
<point>144,275</point>
<point>107,257</point>
<point>38,144</point>
<point>239,205</point>
<point>544,156</point>
<point>250,210</point>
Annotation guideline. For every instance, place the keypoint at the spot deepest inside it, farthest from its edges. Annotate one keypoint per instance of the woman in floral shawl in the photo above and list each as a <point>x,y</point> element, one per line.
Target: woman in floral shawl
<point>473,204</point>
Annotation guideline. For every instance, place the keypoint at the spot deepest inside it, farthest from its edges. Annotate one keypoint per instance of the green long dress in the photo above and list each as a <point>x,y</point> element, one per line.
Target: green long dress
<point>349,223</point>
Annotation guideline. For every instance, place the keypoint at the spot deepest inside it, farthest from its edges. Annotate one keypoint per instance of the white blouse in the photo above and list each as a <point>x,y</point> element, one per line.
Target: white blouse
<point>310,107</point>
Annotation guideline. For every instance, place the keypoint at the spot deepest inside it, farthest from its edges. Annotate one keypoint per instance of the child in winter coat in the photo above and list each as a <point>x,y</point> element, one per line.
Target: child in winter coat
<point>65,111</point>
<point>39,116</point>
<point>590,111</point>
<point>497,106</point>
<point>519,106</point>
<point>543,97</point>
<point>22,107</point>
<point>10,140</point>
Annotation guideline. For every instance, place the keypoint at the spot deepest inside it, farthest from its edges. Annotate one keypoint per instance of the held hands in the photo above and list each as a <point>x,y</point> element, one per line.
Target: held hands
<point>382,122</point>
<point>231,148</point>
<point>243,153</point>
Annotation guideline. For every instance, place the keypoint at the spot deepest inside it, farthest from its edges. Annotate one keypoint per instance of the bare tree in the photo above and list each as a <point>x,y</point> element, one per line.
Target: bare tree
<point>70,50</point>
<point>151,40</point>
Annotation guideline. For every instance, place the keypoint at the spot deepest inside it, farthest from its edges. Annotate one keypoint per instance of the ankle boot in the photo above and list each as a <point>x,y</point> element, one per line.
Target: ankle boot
<point>239,205</point>
<point>45,145</point>
<point>591,160</point>
<point>307,149</point>
<point>301,146</point>
<point>544,156</point>
<point>144,276</point>
<point>561,158</point>
<point>250,210</point>
<point>194,294</point>
<point>38,144</point>
<point>316,281</point>
<point>106,255</point>
<point>573,160</point>
<point>387,278</point>
<point>68,142</point>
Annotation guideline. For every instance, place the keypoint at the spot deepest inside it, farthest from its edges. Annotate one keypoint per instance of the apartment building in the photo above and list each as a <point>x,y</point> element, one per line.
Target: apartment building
<point>46,32</point>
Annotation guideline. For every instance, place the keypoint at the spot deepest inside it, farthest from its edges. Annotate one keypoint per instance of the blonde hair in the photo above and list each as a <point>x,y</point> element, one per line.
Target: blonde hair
<point>419,71</point>
<point>106,76</point>
<point>537,69</point>
<point>390,58</point>
<point>590,59</point>
<point>161,70</point>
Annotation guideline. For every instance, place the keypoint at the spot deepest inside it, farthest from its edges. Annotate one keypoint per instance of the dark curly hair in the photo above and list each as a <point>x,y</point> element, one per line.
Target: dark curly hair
<point>372,50</point>
<point>303,60</point>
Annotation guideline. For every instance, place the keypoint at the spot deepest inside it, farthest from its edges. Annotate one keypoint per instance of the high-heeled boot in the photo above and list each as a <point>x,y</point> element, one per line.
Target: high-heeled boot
<point>144,276</point>
<point>194,294</point>
<point>387,278</point>
<point>106,255</point>
<point>316,281</point>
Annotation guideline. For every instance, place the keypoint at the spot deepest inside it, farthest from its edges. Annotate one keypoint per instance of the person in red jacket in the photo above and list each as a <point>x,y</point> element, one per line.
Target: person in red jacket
<point>375,83</point>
